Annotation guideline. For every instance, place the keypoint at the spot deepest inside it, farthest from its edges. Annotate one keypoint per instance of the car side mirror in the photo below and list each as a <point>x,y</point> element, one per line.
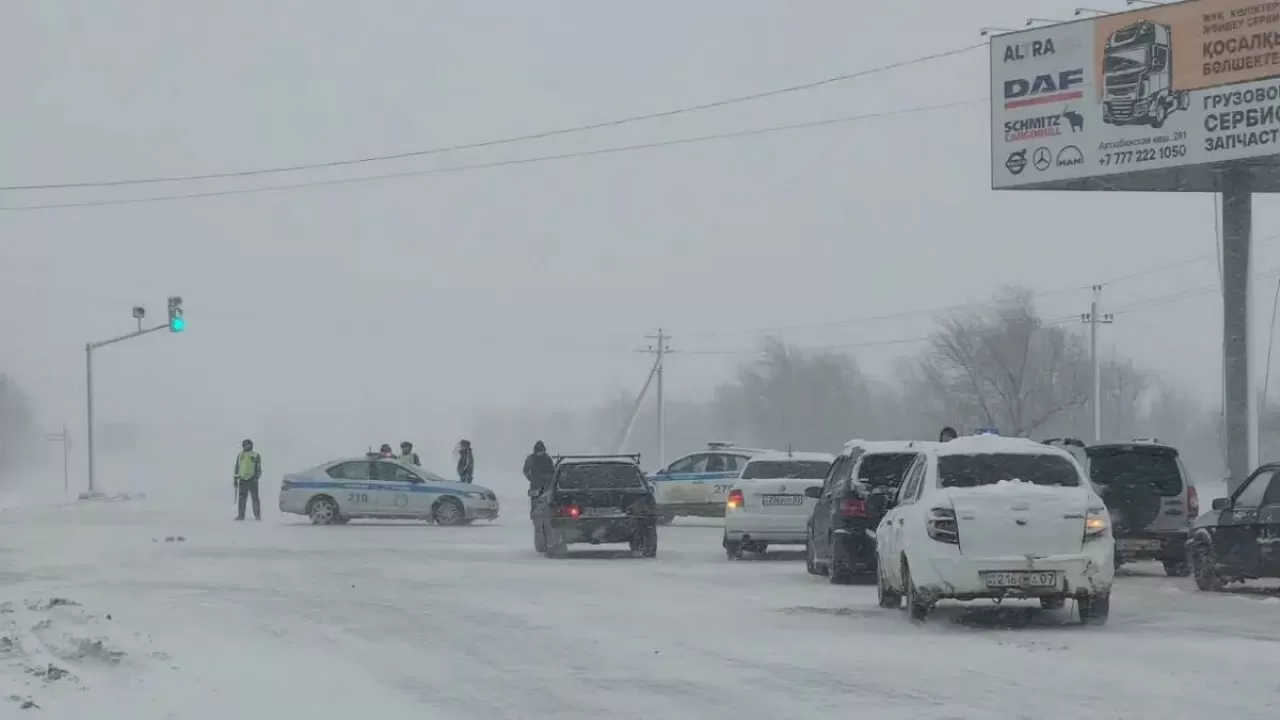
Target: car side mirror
<point>813,492</point>
<point>1221,503</point>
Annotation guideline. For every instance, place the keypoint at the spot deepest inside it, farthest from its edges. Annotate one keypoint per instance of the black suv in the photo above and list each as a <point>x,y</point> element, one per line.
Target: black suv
<point>595,499</point>
<point>1240,539</point>
<point>855,496</point>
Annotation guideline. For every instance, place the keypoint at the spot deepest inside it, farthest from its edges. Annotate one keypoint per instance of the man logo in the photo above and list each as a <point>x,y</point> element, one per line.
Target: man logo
<point>1070,156</point>
<point>1017,162</point>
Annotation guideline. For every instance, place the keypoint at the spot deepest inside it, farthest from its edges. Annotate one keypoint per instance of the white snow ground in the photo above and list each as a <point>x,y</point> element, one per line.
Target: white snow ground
<point>285,620</point>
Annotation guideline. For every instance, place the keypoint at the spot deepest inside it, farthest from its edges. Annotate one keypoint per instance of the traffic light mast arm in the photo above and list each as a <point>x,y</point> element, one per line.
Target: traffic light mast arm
<point>122,338</point>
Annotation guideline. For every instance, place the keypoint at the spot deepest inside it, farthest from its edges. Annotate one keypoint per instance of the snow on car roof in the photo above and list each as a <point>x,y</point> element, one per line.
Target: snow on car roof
<point>888,446</point>
<point>1009,487</point>
<point>985,444</point>
<point>778,456</point>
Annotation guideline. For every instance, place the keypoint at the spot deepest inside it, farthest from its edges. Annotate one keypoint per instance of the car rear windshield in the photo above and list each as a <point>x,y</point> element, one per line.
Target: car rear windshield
<point>1135,464</point>
<point>789,469</point>
<point>884,469</point>
<point>990,468</point>
<point>600,476</point>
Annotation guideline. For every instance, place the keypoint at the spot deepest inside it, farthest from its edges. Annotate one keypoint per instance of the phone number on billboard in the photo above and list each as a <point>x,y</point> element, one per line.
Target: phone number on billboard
<point>1142,155</point>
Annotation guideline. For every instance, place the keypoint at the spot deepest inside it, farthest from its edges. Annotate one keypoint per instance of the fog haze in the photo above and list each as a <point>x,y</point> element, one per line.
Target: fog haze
<point>334,317</point>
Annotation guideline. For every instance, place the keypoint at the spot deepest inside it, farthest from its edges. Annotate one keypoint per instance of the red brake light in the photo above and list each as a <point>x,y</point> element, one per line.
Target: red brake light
<point>569,511</point>
<point>734,500</point>
<point>853,508</point>
<point>1193,503</point>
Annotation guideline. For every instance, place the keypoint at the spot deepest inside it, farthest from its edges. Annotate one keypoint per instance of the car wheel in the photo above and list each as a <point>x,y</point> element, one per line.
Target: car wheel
<point>1094,609</point>
<point>1053,602</point>
<point>889,598</point>
<point>323,511</point>
<point>1204,565</point>
<point>809,564</point>
<point>555,546</point>
<point>841,567</point>
<point>649,542</point>
<point>449,512</point>
<point>1177,568</point>
<point>732,548</point>
<point>918,606</point>
<point>539,539</point>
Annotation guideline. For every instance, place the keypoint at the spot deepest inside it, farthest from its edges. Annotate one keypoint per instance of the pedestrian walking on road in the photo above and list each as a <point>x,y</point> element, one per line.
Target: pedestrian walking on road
<point>247,474</point>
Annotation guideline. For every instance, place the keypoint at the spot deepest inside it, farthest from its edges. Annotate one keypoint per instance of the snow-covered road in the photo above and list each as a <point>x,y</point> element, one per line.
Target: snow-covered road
<point>281,619</point>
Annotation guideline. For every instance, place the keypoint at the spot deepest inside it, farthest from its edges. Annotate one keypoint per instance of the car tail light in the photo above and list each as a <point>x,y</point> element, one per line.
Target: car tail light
<point>1193,503</point>
<point>942,526</point>
<point>569,511</point>
<point>734,501</point>
<point>853,508</point>
<point>1096,523</point>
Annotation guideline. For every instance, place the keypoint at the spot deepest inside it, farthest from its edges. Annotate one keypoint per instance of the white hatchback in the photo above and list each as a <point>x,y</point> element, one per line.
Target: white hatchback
<point>768,504</point>
<point>994,517</point>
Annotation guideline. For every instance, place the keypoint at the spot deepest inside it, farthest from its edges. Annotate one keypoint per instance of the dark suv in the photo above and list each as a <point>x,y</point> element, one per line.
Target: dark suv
<point>1240,539</point>
<point>595,499</point>
<point>855,496</point>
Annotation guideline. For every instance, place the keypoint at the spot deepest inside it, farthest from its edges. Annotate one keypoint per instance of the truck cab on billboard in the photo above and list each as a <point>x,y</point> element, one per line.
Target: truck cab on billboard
<point>1137,76</point>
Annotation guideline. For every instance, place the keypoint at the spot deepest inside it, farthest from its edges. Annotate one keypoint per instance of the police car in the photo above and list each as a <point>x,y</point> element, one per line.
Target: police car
<point>698,483</point>
<point>383,488</point>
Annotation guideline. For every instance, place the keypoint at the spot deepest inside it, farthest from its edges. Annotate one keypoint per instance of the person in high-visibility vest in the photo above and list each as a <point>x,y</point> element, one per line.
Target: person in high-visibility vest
<point>407,455</point>
<point>248,472</point>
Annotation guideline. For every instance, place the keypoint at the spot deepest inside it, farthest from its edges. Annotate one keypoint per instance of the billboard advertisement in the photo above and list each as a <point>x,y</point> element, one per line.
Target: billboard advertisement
<point>1183,84</point>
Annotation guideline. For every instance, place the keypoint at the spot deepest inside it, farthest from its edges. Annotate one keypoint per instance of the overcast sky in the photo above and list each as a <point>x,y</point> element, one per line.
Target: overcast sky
<point>397,307</point>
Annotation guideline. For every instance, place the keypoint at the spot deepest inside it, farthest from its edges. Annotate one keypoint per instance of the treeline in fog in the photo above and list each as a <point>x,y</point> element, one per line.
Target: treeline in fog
<point>1001,366</point>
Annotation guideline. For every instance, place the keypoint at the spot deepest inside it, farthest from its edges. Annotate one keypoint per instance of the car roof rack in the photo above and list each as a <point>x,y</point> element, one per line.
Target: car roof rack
<point>635,457</point>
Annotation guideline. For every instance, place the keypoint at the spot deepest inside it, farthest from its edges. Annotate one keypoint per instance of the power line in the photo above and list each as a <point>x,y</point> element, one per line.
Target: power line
<point>502,163</point>
<point>509,140</point>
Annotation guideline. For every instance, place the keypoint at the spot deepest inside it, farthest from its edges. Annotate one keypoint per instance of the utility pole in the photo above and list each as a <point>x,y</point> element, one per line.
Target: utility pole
<point>176,323</point>
<point>1094,319</point>
<point>661,349</point>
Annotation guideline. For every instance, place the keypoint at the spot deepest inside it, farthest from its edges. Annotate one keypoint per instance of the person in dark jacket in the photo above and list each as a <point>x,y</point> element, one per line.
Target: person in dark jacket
<point>466,462</point>
<point>948,434</point>
<point>385,451</point>
<point>539,468</point>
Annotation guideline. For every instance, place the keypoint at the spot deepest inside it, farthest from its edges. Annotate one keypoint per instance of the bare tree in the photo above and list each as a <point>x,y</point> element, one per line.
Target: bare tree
<point>1006,367</point>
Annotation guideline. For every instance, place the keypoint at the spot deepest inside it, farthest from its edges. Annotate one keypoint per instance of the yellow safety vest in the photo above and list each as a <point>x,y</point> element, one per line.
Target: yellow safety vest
<point>247,464</point>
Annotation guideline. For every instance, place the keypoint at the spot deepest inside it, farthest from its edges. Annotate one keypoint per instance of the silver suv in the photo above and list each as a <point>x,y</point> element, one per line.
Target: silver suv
<point>1149,494</point>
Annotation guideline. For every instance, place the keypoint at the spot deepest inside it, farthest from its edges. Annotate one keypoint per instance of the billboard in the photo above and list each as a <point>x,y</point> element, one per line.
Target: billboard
<point>1190,83</point>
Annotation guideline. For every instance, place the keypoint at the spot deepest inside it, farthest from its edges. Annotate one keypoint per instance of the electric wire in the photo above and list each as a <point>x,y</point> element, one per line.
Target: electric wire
<point>617,122</point>
<point>536,159</point>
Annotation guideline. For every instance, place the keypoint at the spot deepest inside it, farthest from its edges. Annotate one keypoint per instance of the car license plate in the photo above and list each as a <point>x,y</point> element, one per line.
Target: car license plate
<point>601,511</point>
<point>1020,579</point>
<point>782,500</point>
<point>1139,544</point>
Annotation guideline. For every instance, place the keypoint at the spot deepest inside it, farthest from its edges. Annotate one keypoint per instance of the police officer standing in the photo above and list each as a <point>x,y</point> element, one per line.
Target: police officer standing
<point>466,462</point>
<point>539,470</point>
<point>248,472</point>
<point>407,455</point>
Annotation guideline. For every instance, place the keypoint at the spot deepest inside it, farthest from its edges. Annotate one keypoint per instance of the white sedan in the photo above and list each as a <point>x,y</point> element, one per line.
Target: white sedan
<point>767,504</point>
<point>382,488</point>
<point>999,518</point>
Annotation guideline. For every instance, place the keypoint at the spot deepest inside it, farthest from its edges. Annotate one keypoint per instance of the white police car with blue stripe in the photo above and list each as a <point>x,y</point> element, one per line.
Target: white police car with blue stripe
<point>382,488</point>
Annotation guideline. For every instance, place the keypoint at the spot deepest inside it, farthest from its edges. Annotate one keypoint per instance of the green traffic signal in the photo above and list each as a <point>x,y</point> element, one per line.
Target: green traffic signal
<point>176,321</point>
<point>177,324</point>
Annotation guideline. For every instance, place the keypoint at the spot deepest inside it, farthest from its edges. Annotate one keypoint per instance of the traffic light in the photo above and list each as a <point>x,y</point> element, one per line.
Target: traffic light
<point>176,321</point>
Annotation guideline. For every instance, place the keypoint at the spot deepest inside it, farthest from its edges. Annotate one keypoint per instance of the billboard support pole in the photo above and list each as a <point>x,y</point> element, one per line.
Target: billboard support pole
<point>1240,401</point>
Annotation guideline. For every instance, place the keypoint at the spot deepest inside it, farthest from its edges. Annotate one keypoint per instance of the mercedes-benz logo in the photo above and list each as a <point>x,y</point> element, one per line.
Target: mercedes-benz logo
<point>1042,158</point>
